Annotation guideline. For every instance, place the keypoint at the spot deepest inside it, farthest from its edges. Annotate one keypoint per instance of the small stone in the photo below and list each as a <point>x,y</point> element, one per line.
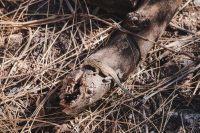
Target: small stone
<point>197,2</point>
<point>2,11</point>
<point>15,39</point>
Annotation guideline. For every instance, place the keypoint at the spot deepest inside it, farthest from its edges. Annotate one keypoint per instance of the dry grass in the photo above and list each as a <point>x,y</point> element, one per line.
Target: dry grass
<point>41,41</point>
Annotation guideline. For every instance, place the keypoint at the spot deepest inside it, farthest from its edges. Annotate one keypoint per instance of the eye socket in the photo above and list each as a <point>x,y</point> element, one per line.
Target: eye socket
<point>89,92</point>
<point>89,67</point>
<point>106,80</point>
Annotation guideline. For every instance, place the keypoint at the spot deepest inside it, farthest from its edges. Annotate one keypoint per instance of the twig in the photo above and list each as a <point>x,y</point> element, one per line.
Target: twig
<point>181,29</point>
<point>33,23</point>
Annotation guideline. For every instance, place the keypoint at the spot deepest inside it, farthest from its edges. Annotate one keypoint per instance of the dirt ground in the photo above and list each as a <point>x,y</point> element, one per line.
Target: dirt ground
<point>41,41</point>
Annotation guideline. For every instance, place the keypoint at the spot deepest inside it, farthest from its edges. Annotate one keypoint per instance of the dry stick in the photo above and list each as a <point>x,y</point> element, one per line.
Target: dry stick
<point>183,7</point>
<point>194,93</point>
<point>22,6</point>
<point>33,23</point>
<point>70,7</point>
<point>120,28</point>
<point>180,28</point>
